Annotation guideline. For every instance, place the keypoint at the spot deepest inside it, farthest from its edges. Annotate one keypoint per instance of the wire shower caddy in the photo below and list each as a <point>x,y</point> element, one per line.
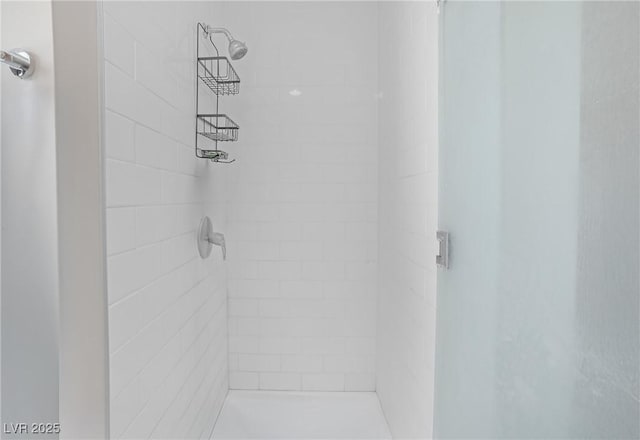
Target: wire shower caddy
<point>218,74</point>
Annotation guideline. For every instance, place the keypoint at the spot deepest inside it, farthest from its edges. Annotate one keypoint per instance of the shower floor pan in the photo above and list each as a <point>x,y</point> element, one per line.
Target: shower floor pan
<point>301,415</point>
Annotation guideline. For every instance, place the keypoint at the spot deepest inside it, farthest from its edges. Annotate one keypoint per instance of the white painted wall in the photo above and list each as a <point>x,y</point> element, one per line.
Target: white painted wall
<point>83,364</point>
<point>608,280</point>
<point>167,307</point>
<point>0,227</point>
<point>303,196</point>
<point>54,339</point>
<point>408,157</point>
<point>29,223</point>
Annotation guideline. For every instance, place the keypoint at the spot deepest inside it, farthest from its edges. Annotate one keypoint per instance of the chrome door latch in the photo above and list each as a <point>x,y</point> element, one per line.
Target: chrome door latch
<point>442,259</point>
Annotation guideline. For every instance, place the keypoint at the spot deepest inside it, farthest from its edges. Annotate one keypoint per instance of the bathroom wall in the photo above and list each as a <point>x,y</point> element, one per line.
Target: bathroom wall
<point>167,307</point>
<point>30,294</point>
<point>302,233</point>
<point>83,354</point>
<point>608,280</point>
<point>408,157</point>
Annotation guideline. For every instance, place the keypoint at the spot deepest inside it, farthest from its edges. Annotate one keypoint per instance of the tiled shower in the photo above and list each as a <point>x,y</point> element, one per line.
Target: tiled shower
<point>308,209</point>
<point>423,219</point>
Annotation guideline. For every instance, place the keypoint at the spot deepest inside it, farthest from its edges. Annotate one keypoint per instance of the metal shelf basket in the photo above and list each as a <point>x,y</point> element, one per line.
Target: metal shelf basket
<point>219,75</point>
<point>217,127</point>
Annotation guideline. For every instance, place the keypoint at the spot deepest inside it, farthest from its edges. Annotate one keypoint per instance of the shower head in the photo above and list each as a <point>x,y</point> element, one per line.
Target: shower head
<point>237,49</point>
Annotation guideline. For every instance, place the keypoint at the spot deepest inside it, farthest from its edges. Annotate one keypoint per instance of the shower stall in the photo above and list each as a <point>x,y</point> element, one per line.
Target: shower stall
<point>320,220</point>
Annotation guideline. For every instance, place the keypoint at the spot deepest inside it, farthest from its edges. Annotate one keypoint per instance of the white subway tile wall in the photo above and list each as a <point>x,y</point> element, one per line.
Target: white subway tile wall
<point>336,169</point>
<point>303,197</point>
<point>408,136</point>
<point>167,307</point>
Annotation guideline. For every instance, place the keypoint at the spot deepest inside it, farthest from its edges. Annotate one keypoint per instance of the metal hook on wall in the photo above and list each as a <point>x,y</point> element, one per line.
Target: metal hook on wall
<point>19,61</point>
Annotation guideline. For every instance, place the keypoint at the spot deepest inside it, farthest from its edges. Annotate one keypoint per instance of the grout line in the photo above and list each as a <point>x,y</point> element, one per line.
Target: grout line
<point>173,369</point>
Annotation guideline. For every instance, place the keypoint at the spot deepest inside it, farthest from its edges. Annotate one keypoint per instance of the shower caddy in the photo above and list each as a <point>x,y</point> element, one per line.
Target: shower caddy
<point>218,74</point>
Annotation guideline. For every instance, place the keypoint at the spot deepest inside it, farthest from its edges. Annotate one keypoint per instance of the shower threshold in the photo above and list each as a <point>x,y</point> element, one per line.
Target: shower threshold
<point>301,415</point>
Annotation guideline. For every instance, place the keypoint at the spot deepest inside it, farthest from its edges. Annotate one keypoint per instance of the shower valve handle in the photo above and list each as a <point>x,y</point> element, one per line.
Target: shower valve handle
<point>205,238</point>
<point>218,239</point>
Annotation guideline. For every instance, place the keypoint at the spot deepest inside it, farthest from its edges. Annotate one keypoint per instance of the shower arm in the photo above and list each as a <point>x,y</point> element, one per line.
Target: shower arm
<point>211,30</point>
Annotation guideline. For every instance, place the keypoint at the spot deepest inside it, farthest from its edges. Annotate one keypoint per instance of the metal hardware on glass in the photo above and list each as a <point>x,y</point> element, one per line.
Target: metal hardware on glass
<point>206,238</point>
<point>442,259</point>
<point>19,61</point>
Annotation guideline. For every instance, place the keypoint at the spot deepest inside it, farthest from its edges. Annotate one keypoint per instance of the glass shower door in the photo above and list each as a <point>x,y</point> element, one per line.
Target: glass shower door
<point>538,322</point>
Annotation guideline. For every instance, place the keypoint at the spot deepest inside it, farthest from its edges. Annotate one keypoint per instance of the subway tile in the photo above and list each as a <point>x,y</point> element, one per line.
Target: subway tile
<point>349,250</point>
<point>180,189</point>
<point>129,185</point>
<point>178,251</point>
<point>323,270</point>
<point>302,212</point>
<point>243,344</point>
<point>300,251</point>
<point>349,289</point>
<point>328,345</point>
<point>125,408</point>
<point>256,250</point>
<point>168,317</point>
<point>323,382</point>
<point>259,362</point>
<point>361,271</point>
<point>124,96</point>
<point>122,279</point>
<point>187,162</point>
<point>321,231</point>
<point>348,364</point>
<point>362,231</point>
<point>154,149</point>
<point>280,381</point>
<point>243,230</point>
<point>243,307</point>
<point>353,212</point>
<point>151,73</point>
<point>131,358</point>
<point>253,289</point>
<point>124,319</point>
<point>362,346</point>
<point>155,223</point>
<point>302,363</point>
<point>243,381</point>
<point>359,382</point>
<point>119,137</point>
<point>300,289</point>
<point>242,270</point>
<point>279,270</point>
<point>118,45</point>
<point>306,273</point>
<point>121,228</point>
<point>282,345</point>
<point>279,231</point>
